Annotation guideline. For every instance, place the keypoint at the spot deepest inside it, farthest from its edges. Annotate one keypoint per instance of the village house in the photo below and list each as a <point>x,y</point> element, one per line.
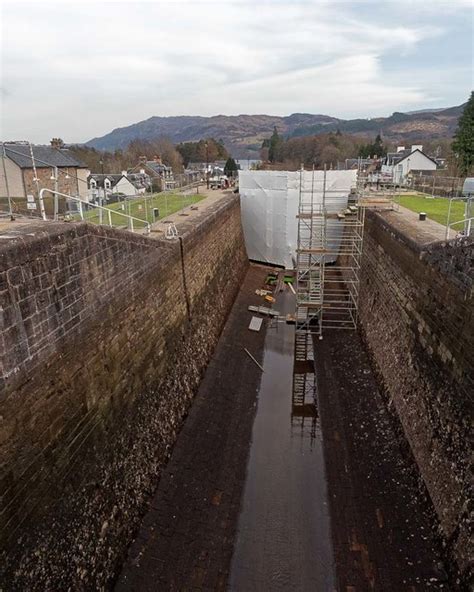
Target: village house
<point>365,165</point>
<point>103,186</point>
<point>400,164</point>
<point>161,175</point>
<point>32,168</point>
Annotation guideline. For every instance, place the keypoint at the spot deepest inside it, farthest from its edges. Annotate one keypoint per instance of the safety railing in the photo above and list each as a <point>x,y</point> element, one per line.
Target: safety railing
<point>83,207</point>
<point>466,231</point>
<point>466,221</point>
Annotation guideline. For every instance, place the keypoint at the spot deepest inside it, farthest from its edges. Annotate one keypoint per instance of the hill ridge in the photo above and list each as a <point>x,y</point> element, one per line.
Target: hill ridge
<point>243,134</point>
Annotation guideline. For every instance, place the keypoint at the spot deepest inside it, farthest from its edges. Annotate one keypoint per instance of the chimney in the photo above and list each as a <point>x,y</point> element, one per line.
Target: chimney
<point>56,143</point>
<point>417,147</point>
<point>124,173</point>
<point>400,149</point>
<point>158,159</point>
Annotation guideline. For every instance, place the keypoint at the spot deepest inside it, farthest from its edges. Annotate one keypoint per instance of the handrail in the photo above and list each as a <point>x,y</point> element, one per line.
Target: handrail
<point>82,202</point>
<point>463,221</point>
<point>448,224</point>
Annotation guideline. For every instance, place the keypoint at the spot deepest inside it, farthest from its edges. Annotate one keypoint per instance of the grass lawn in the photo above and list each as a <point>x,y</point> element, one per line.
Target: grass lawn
<point>435,208</point>
<point>142,207</point>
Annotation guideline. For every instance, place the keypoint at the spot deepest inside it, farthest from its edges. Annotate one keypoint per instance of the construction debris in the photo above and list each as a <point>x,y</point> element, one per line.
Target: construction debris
<point>291,288</point>
<point>262,292</point>
<point>271,279</point>
<point>254,360</point>
<point>255,324</point>
<point>264,310</point>
<point>269,298</point>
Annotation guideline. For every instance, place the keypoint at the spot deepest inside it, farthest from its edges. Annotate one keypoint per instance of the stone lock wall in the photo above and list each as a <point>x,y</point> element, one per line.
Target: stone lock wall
<point>416,313</point>
<point>106,335</point>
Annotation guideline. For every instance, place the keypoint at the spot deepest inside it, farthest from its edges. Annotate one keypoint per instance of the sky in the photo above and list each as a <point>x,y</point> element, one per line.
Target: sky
<point>77,70</point>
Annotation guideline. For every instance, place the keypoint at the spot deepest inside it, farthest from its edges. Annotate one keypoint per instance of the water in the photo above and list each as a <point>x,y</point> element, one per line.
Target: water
<point>283,540</point>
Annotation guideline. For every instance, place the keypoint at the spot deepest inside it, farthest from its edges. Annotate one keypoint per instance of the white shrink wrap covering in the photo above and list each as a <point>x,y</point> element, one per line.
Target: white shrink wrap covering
<point>269,202</point>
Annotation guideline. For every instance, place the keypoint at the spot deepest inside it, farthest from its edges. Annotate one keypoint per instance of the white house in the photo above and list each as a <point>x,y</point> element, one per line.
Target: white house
<point>101,186</point>
<point>399,164</point>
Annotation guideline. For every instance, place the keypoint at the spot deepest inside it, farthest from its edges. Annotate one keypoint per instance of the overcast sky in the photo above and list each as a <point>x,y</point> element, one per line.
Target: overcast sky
<point>79,69</point>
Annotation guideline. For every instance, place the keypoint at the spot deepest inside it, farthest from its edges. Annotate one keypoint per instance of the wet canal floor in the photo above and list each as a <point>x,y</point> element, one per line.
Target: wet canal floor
<point>256,499</point>
<point>284,540</point>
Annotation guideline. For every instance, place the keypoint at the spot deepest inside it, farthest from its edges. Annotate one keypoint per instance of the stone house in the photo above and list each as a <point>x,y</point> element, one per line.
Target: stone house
<point>27,176</point>
<point>161,174</point>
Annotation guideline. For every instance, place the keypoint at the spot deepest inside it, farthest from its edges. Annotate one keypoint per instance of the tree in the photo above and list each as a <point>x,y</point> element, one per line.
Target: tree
<point>275,143</point>
<point>230,167</point>
<point>203,150</point>
<point>379,148</point>
<point>463,145</point>
<point>375,148</point>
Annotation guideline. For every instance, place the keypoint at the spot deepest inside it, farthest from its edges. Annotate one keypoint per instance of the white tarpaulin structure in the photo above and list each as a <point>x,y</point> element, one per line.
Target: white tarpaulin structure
<point>269,202</point>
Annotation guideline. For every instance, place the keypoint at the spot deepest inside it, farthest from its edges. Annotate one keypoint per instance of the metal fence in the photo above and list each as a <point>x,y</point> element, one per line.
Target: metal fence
<point>437,185</point>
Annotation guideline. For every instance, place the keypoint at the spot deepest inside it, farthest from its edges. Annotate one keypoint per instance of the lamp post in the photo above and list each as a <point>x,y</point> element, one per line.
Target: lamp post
<point>10,209</point>
<point>102,196</point>
<point>207,164</point>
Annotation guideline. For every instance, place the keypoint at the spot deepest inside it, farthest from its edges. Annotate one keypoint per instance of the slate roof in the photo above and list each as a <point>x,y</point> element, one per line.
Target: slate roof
<point>421,152</point>
<point>397,157</point>
<point>157,167</point>
<point>99,178</point>
<point>45,156</point>
<point>350,162</point>
<point>139,180</point>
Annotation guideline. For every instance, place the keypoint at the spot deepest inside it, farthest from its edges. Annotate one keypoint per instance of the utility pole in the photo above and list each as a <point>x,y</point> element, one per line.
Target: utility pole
<point>56,180</point>
<point>4,155</point>
<point>56,196</point>
<point>207,164</point>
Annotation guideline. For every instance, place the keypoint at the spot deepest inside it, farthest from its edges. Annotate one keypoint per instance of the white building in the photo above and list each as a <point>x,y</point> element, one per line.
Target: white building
<point>399,164</point>
<point>101,186</point>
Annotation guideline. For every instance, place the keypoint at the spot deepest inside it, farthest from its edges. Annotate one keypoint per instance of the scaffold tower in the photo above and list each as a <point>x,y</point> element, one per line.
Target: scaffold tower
<point>328,255</point>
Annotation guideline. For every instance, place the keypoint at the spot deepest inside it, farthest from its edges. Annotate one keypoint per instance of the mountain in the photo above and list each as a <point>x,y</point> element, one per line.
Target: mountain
<point>243,134</point>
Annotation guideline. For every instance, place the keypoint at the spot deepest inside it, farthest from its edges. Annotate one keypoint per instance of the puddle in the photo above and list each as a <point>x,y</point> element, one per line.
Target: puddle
<point>283,541</point>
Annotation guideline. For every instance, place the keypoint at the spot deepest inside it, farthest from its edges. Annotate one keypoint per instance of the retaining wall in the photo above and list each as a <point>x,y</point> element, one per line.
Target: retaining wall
<point>105,337</point>
<point>416,313</point>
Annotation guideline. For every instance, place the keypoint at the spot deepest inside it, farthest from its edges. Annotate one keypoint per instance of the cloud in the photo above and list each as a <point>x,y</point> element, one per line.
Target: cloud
<point>84,68</point>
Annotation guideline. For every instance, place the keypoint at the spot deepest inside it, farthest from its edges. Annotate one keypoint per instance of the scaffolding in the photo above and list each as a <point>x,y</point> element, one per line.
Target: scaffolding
<point>328,255</point>
<point>304,378</point>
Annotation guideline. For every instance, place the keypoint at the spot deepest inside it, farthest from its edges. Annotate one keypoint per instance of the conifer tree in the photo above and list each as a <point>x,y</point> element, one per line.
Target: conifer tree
<point>275,143</point>
<point>463,145</point>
